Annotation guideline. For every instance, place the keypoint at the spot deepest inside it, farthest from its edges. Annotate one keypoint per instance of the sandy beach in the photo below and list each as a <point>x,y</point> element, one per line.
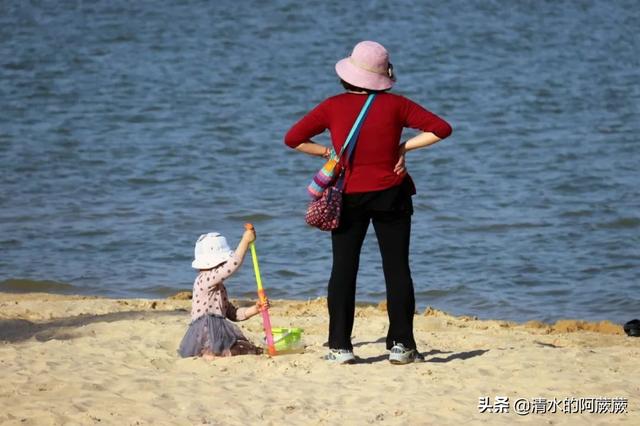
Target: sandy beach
<point>89,360</point>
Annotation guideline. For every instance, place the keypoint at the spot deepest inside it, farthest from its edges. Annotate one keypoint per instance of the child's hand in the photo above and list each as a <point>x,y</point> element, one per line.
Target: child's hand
<point>249,235</point>
<point>261,306</point>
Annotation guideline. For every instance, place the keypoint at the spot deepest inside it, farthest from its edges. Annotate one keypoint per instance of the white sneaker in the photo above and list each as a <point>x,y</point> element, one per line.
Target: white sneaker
<point>340,356</point>
<point>401,355</point>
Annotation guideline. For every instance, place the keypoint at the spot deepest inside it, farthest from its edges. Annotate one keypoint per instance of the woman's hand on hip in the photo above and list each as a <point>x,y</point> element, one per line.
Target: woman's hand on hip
<point>401,166</point>
<point>313,148</point>
<point>327,153</point>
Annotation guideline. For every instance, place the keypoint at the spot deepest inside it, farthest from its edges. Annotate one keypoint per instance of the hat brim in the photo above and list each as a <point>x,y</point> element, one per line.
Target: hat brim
<point>359,77</point>
<point>212,261</point>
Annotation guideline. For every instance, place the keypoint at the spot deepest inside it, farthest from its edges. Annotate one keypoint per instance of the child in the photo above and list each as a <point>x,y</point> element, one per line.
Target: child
<point>210,334</point>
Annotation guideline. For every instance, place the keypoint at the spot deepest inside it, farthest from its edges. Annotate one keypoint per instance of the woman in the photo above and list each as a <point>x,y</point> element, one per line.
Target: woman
<point>377,190</point>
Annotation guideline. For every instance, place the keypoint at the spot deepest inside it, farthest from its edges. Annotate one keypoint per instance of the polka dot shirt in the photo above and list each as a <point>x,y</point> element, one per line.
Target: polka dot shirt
<point>210,295</point>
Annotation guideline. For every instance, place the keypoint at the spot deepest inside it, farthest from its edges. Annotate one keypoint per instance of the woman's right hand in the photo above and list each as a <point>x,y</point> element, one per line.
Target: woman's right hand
<point>316,149</point>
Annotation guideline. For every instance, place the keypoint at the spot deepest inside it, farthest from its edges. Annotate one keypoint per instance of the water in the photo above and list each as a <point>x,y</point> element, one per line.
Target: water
<point>129,128</point>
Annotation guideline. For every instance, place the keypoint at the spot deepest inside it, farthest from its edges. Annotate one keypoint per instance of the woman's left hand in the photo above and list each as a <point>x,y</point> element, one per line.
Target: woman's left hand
<point>400,167</point>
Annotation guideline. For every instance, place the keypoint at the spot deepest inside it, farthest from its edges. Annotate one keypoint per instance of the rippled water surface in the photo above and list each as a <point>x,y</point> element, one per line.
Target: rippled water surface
<point>129,128</point>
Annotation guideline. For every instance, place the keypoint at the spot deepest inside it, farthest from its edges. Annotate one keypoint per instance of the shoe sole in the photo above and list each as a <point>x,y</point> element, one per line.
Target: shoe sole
<point>347,362</point>
<point>399,361</point>
<point>339,362</point>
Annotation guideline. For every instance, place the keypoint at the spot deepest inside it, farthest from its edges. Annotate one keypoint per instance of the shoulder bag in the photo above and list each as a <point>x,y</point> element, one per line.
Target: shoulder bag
<point>324,211</point>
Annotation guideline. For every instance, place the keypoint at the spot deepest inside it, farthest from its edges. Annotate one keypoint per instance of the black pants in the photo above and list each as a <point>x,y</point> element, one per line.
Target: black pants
<point>393,230</point>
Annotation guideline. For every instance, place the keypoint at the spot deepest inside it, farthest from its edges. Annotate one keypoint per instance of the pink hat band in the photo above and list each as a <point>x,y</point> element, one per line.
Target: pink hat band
<point>368,67</point>
<point>364,66</point>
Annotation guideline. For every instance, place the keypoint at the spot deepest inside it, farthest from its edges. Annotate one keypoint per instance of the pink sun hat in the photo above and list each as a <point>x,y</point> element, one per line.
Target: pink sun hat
<point>367,67</point>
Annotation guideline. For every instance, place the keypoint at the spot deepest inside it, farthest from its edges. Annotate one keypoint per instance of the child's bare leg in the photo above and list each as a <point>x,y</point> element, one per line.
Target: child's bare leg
<point>208,355</point>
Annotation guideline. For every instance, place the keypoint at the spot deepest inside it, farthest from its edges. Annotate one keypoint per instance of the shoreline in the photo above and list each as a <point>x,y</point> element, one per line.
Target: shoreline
<point>28,286</point>
<point>182,300</point>
<point>89,360</point>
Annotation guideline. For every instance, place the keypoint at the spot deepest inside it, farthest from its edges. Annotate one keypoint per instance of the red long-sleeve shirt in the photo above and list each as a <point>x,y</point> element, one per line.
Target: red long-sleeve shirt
<point>376,152</point>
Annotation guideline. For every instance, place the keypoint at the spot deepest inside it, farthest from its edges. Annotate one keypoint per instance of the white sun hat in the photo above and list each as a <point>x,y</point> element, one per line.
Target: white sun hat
<point>211,250</point>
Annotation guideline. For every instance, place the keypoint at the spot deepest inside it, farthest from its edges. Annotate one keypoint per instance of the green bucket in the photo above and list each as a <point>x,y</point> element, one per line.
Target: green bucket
<point>286,338</point>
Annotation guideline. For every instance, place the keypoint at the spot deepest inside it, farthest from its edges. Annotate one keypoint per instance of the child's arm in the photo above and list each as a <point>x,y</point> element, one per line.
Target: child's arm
<point>248,237</point>
<point>257,308</point>
<point>235,261</point>
<point>241,314</point>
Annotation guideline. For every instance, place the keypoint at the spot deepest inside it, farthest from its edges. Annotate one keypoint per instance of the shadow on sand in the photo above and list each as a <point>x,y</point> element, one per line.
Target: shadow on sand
<point>459,355</point>
<point>17,330</point>
<point>453,356</point>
